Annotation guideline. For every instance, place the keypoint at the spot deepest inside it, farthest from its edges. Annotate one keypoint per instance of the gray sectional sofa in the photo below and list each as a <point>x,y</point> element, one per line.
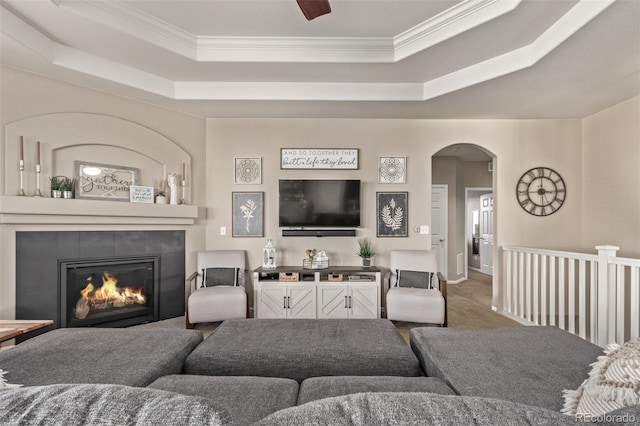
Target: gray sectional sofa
<point>279,372</point>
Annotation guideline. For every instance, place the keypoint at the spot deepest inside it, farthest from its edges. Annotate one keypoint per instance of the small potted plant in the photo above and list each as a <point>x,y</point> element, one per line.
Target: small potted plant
<point>365,251</point>
<point>56,186</point>
<point>67,188</point>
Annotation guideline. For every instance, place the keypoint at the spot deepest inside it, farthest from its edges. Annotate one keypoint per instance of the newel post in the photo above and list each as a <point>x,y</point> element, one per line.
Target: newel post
<point>606,296</point>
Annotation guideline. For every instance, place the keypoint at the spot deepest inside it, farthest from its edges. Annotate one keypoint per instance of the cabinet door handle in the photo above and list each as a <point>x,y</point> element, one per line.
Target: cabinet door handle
<point>350,304</point>
<point>285,302</point>
<point>346,302</point>
<point>288,302</point>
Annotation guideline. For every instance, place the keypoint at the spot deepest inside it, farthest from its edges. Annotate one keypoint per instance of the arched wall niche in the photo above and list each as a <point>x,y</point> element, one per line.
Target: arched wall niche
<point>68,137</point>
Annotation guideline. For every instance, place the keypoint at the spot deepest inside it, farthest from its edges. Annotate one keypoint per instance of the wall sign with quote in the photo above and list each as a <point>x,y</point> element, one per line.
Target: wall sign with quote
<point>141,194</point>
<point>104,181</point>
<point>319,158</point>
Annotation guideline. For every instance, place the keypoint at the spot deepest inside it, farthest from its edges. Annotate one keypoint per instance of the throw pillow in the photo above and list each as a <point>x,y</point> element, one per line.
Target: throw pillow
<point>3,382</point>
<point>415,279</point>
<point>220,276</point>
<point>613,383</point>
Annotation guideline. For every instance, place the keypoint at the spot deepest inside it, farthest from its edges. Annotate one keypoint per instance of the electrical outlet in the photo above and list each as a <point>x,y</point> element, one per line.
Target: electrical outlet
<point>424,229</point>
<point>223,230</point>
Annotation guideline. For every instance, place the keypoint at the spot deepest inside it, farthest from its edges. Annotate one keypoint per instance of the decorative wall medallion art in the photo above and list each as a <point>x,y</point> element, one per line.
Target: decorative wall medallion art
<point>392,169</point>
<point>392,214</point>
<point>248,171</point>
<point>248,214</point>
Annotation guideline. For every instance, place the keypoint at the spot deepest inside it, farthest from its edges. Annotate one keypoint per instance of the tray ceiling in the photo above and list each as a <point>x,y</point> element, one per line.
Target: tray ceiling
<point>367,58</point>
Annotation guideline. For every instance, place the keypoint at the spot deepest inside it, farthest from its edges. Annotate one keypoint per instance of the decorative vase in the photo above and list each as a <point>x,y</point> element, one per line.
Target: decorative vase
<point>161,199</point>
<point>366,262</point>
<point>56,193</point>
<point>67,194</point>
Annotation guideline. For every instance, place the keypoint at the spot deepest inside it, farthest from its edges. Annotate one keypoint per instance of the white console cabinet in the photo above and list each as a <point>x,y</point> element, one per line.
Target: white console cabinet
<point>318,293</point>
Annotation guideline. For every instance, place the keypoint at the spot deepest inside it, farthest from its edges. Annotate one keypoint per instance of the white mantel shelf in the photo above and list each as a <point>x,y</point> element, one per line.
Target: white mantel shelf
<point>16,210</point>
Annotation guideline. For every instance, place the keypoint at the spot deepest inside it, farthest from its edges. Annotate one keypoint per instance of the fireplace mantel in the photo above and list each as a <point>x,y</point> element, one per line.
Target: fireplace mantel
<point>15,210</point>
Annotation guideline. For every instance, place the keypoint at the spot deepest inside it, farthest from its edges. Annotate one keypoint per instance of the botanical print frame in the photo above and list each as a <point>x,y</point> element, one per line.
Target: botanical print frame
<point>392,169</point>
<point>97,181</point>
<point>247,171</point>
<point>247,214</point>
<point>392,214</point>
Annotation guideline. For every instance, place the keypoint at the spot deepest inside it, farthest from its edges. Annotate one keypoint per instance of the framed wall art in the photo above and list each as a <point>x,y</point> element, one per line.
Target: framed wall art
<point>319,158</point>
<point>104,181</point>
<point>247,214</point>
<point>392,210</point>
<point>248,171</point>
<point>392,169</point>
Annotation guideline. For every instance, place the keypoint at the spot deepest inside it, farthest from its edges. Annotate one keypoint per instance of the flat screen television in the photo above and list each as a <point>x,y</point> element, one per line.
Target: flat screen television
<point>319,203</point>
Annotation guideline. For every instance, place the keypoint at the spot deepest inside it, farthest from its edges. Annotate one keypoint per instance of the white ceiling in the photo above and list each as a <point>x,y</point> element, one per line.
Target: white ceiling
<point>366,59</point>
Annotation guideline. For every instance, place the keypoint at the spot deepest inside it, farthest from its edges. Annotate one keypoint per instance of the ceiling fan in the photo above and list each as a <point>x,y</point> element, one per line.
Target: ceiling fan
<point>314,8</point>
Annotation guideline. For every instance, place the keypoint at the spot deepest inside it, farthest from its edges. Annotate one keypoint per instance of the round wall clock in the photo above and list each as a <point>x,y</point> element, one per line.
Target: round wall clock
<point>541,191</point>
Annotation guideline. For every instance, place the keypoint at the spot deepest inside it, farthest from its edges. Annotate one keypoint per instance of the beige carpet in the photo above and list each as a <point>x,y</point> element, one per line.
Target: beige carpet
<point>469,305</point>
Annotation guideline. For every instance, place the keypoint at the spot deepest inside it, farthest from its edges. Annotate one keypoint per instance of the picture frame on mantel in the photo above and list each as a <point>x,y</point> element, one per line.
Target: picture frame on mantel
<point>247,214</point>
<point>392,214</point>
<point>319,158</point>
<point>96,181</point>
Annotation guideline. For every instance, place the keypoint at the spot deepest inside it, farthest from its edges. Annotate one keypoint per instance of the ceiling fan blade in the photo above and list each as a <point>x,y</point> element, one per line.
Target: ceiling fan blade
<point>314,8</point>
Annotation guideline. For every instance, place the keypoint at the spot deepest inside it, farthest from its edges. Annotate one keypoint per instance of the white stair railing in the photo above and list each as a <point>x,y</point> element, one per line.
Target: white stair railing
<point>595,296</point>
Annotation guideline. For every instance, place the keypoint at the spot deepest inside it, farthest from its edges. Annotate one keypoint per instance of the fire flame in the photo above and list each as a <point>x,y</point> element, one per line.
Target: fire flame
<point>108,295</point>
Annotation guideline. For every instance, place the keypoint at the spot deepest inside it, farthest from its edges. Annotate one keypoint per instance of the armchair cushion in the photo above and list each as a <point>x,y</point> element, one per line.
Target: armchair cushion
<point>220,276</point>
<point>414,279</point>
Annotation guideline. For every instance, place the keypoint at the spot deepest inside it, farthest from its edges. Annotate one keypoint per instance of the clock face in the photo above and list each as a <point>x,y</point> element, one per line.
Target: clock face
<point>541,191</point>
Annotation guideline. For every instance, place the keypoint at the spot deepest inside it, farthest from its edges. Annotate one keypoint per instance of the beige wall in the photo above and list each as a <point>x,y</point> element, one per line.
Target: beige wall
<point>517,145</point>
<point>564,145</point>
<point>25,95</point>
<point>611,178</point>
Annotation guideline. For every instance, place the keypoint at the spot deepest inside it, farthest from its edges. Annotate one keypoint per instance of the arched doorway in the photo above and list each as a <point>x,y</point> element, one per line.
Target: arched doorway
<point>467,172</point>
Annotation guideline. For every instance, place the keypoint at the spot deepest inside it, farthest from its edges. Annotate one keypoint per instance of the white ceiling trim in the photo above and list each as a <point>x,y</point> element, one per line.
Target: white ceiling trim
<point>519,59</point>
<point>510,62</point>
<point>456,20</point>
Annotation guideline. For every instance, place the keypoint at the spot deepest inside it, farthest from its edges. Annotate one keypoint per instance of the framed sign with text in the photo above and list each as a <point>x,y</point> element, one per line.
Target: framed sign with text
<point>104,181</point>
<point>319,158</point>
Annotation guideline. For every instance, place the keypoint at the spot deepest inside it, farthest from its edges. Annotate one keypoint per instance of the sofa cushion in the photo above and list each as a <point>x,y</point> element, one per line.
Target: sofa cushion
<point>303,348</point>
<point>414,409</point>
<point>316,388</point>
<point>246,399</point>
<point>613,383</point>
<point>91,404</point>
<point>528,365</point>
<point>132,356</point>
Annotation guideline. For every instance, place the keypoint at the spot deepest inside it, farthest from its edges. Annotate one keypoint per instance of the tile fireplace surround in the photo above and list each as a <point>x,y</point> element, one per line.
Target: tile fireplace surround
<point>89,228</point>
<point>38,255</point>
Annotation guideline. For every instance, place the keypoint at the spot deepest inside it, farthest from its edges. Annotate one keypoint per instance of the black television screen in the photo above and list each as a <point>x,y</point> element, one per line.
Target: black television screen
<point>319,203</point>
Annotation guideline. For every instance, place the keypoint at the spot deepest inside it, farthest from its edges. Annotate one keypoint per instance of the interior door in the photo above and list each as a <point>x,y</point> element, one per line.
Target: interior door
<point>486,234</point>
<point>439,214</point>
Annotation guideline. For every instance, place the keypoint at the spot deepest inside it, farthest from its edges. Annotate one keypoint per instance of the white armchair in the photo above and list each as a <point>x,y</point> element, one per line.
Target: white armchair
<point>216,291</point>
<point>417,291</point>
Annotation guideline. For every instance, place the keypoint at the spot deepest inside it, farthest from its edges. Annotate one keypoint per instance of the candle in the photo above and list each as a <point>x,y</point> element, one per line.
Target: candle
<point>38,154</point>
<point>184,176</point>
<point>21,149</point>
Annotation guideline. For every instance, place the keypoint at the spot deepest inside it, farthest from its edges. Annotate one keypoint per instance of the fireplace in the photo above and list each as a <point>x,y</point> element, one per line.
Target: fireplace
<point>108,292</point>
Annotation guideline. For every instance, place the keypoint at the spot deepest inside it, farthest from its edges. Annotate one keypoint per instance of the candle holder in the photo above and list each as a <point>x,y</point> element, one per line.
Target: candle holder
<point>184,189</point>
<point>38,170</point>
<point>21,193</point>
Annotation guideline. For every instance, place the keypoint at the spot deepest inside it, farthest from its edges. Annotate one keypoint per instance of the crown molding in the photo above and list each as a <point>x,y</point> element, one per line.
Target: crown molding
<point>516,60</point>
<point>204,48</point>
